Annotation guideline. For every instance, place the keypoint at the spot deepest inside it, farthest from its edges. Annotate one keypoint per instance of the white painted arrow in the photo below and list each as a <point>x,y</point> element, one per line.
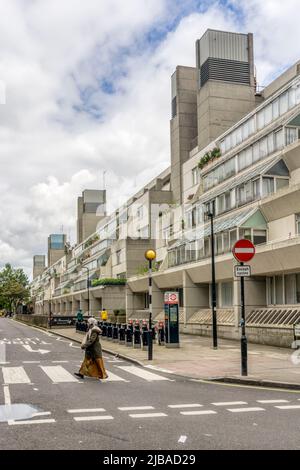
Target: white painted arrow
<point>29,348</point>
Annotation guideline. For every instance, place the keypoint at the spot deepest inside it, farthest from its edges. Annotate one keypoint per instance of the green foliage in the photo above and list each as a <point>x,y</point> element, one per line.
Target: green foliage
<point>144,268</point>
<point>108,281</point>
<point>14,287</point>
<point>91,241</point>
<point>209,157</point>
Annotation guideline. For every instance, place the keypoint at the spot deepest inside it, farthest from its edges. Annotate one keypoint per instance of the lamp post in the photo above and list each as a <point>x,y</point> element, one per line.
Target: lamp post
<point>150,256</point>
<point>210,215</point>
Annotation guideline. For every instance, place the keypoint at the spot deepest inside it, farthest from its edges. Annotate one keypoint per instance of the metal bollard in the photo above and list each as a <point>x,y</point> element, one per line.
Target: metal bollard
<point>144,335</point>
<point>104,330</point>
<point>128,336</point>
<point>161,334</point>
<point>109,331</point>
<point>122,334</point>
<point>136,336</point>
<point>115,335</point>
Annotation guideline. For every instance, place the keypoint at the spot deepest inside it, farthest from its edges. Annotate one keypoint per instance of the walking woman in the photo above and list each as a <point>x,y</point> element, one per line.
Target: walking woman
<point>93,365</point>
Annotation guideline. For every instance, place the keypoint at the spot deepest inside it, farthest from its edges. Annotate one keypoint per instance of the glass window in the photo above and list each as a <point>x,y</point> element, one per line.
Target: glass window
<point>281,183</point>
<point>292,98</point>
<point>222,146</point>
<point>245,130</point>
<point>283,103</point>
<point>255,152</point>
<point>263,147</point>
<point>298,94</point>
<point>226,294</point>
<point>232,237</point>
<point>239,136</point>
<point>251,125</point>
<point>279,139</point>
<point>195,175</point>
<point>256,189</point>
<point>219,243</point>
<point>279,289</point>
<point>268,114</point>
<point>270,143</point>
<point>242,160</point>
<point>291,135</point>
<point>226,247</point>
<point>275,108</point>
<point>298,223</point>
<point>261,119</point>
<point>259,236</point>
<point>207,246</point>
<point>290,288</point>
<point>268,185</point>
<point>229,168</point>
<point>227,143</point>
<point>245,233</point>
<point>298,288</point>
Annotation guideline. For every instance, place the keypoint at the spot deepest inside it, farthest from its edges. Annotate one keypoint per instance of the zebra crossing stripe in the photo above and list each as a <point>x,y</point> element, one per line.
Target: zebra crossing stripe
<point>114,378</point>
<point>58,374</point>
<point>15,375</point>
<point>142,373</point>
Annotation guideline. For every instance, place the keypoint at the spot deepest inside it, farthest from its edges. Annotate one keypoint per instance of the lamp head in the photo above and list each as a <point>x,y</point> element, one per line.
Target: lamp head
<point>150,255</point>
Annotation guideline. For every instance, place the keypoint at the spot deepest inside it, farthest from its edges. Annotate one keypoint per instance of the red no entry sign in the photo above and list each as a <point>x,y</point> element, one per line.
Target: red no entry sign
<point>243,250</point>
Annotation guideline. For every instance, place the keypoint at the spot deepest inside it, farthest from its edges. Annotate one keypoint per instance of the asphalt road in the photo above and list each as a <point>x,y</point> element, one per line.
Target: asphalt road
<point>43,406</point>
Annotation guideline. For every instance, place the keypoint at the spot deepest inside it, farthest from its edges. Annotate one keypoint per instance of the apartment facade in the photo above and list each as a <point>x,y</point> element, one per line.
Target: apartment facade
<point>234,151</point>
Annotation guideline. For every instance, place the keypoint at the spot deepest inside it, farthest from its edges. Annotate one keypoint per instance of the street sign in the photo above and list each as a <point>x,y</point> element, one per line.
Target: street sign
<point>171,298</point>
<point>242,270</point>
<point>243,250</point>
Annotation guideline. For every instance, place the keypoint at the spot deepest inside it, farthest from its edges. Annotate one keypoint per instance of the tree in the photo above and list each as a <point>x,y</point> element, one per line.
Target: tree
<point>14,287</point>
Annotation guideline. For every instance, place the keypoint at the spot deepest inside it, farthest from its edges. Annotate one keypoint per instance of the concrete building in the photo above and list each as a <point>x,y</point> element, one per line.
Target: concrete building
<point>91,208</point>
<point>235,150</point>
<point>39,265</point>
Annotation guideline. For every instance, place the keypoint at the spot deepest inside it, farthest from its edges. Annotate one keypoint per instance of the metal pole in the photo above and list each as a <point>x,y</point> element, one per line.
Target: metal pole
<point>213,283</point>
<point>150,342</point>
<point>88,289</point>
<point>244,358</point>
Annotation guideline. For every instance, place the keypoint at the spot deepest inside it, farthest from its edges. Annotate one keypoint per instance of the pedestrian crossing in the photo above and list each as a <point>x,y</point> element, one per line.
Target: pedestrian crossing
<point>59,374</point>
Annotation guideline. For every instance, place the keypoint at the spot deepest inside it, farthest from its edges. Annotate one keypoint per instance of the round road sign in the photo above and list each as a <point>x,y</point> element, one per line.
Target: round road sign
<point>243,250</point>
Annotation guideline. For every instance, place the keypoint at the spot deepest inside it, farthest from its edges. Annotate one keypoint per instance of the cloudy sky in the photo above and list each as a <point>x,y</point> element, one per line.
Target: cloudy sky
<point>85,87</point>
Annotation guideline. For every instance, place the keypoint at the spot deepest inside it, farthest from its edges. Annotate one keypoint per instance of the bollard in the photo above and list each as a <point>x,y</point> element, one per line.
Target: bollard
<point>128,335</point>
<point>136,336</point>
<point>144,336</point>
<point>115,333</point>
<point>104,330</point>
<point>109,331</point>
<point>122,334</point>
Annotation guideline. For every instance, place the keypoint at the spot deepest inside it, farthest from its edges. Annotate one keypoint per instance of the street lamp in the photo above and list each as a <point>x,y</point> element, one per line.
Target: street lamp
<point>150,255</point>
<point>210,215</point>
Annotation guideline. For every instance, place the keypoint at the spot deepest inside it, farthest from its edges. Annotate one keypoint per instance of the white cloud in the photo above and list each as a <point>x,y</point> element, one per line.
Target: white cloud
<point>54,57</point>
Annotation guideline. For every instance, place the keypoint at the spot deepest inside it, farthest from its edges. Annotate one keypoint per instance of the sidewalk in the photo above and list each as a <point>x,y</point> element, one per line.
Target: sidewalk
<point>196,359</point>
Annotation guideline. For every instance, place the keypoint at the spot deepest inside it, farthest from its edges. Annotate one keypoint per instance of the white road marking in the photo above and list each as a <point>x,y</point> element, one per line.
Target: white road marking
<point>186,405</point>
<point>31,362</point>
<point>41,351</point>
<point>132,408</point>
<point>245,410</point>
<point>182,439</point>
<point>42,413</point>
<point>93,418</point>
<point>15,375</point>
<point>7,399</point>
<point>58,374</point>
<point>160,369</point>
<point>272,401</point>
<point>148,415</point>
<point>114,378</point>
<point>288,407</point>
<point>86,410</point>
<point>230,403</point>
<point>60,362</point>
<point>36,421</point>
<point>198,412</point>
<point>144,374</point>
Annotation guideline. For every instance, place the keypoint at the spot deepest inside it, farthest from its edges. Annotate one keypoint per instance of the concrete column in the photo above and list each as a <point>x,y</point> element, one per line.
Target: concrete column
<point>83,305</point>
<point>95,306</point>
<point>157,300</point>
<point>134,301</point>
<point>195,297</point>
<point>76,306</point>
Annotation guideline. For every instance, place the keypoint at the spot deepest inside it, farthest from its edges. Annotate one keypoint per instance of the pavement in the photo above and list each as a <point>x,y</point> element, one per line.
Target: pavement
<point>44,406</point>
<point>269,366</point>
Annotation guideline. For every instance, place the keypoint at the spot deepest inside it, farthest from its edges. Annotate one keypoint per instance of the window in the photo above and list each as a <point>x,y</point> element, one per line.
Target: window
<point>292,98</point>
<point>226,246</point>
<point>283,103</point>
<point>278,137</point>
<point>118,256</point>
<point>267,185</point>
<point>268,114</point>
<point>195,175</point>
<point>256,188</point>
<point>279,289</point>
<point>263,147</point>
<point>270,138</point>
<point>219,243</point>
<point>275,108</point>
<point>255,150</point>
<point>144,232</point>
<point>140,212</point>
<point>259,236</point>
<point>224,202</point>
<point>207,246</point>
<point>298,224</point>
<point>281,183</point>
<point>261,119</point>
<point>232,237</point>
<point>291,135</point>
<point>226,294</point>
<point>245,233</point>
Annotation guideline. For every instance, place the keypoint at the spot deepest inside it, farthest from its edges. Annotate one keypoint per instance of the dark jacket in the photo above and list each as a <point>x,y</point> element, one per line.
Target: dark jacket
<point>92,344</point>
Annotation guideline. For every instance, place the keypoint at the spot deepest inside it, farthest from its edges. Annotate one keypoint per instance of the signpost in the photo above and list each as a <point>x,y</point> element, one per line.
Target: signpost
<point>171,301</point>
<point>243,251</point>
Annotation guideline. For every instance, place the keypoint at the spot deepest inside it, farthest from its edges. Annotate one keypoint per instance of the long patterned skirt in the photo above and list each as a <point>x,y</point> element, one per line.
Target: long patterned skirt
<point>93,368</point>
